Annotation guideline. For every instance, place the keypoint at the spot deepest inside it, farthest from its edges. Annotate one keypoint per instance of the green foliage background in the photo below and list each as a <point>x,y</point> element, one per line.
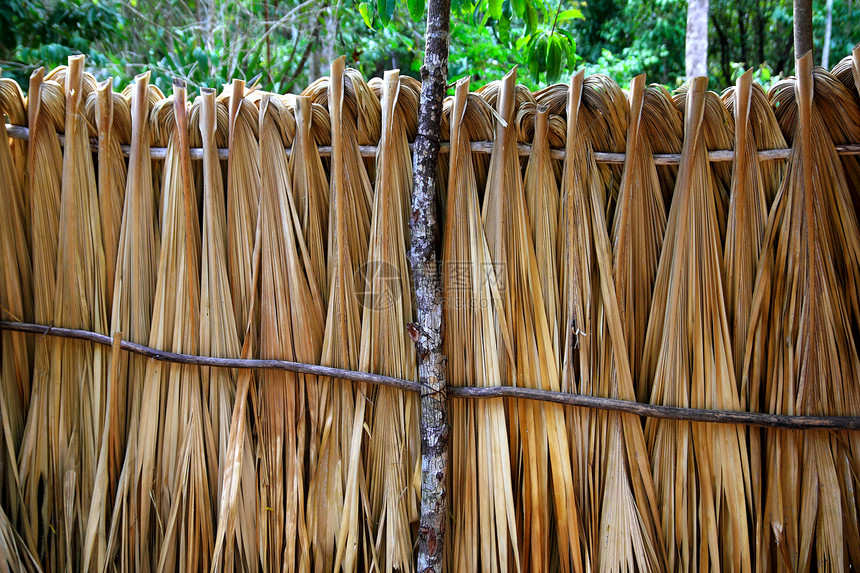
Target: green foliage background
<point>283,42</point>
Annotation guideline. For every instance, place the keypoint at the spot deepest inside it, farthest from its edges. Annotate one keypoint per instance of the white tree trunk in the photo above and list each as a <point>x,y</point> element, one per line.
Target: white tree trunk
<point>828,24</point>
<point>696,58</point>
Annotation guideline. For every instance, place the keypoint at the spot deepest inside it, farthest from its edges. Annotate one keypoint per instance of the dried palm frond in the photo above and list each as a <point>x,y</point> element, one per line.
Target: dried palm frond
<point>701,471</point>
<point>46,117</point>
<point>614,492</point>
<point>243,198</point>
<point>110,112</point>
<point>606,119</point>
<point>78,368</point>
<point>484,524</point>
<point>15,304</point>
<point>765,132</point>
<point>542,202</point>
<point>337,497</point>
<point>847,71</point>
<point>640,220</point>
<point>533,341</point>
<point>134,295</point>
<point>13,105</point>
<point>310,185</point>
<point>394,444</point>
<point>236,536</point>
<point>232,482</point>
<point>718,131</point>
<point>630,517</point>
<point>579,306</point>
<point>187,452</point>
<point>754,185</point>
<point>15,556</point>
<point>805,314</point>
<point>291,329</point>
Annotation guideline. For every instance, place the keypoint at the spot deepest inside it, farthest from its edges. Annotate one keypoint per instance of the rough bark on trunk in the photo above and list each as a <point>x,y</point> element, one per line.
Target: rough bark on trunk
<point>802,27</point>
<point>696,57</point>
<point>428,330</point>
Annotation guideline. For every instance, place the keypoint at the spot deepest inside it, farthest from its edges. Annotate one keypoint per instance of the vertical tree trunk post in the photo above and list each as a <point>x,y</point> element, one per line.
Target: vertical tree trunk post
<point>828,30</point>
<point>427,333</point>
<point>802,27</point>
<point>696,57</point>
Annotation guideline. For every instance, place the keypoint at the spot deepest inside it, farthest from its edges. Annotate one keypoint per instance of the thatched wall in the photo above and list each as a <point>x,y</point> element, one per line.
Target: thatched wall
<point>692,249</point>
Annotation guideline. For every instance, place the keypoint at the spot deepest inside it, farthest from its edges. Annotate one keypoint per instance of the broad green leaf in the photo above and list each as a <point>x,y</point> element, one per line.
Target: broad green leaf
<point>565,35</point>
<point>522,42</point>
<point>416,9</point>
<point>496,9</point>
<point>572,14</point>
<point>533,60</point>
<point>531,18</point>
<point>553,60</point>
<point>386,11</point>
<point>519,7</point>
<point>366,14</point>
<point>504,28</point>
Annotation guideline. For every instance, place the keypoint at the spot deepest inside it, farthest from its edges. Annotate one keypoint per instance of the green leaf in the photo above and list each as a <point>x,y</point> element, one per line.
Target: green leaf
<point>553,60</point>
<point>519,7</point>
<point>533,61</point>
<point>496,9</point>
<point>386,11</point>
<point>365,10</point>
<point>572,14</point>
<point>531,18</point>
<point>416,9</point>
<point>521,43</point>
<point>504,27</point>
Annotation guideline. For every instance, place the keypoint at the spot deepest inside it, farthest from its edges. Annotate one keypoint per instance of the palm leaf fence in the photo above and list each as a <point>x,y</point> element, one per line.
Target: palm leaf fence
<point>651,312</point>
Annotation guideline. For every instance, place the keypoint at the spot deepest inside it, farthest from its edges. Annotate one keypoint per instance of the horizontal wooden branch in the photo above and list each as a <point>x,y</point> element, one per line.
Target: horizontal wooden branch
<point>637,408</point>
<point>717,156</point>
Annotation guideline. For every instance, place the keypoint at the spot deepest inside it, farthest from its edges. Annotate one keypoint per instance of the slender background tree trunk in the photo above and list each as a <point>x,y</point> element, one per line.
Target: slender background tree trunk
<point>828,29</point>
<point>428,331</point>
<point>696,58</point>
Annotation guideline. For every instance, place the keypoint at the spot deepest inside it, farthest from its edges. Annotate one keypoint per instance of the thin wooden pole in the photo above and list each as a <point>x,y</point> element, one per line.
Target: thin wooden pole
<point>584,401</point>
<point>428,329</point>
<point>523,149</point>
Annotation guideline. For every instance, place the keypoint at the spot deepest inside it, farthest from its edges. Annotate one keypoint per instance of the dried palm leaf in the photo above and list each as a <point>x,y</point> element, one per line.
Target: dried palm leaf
<point>546,471</point>
<point>78,368</point>
<point>394,444</point>
<point>640,220</point>
<point>15,556</point>
<point>701,471</point>
<point>718,131</point>
<point>14,106</point>
<point>337,498</point>
<point>630,517</point>
<point>134,296</point>
<point>110,112</point>
<point>310,186</point>
<point>847,71</point>
<point>291,329</point>
<point>805,313</point>
<point>243,197</point>
<point>220,331</point>
<point>484,525</point>
<point>46,117</point>
<point>187,452</point>
<point>15,304</point>
<point>754,185</point>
